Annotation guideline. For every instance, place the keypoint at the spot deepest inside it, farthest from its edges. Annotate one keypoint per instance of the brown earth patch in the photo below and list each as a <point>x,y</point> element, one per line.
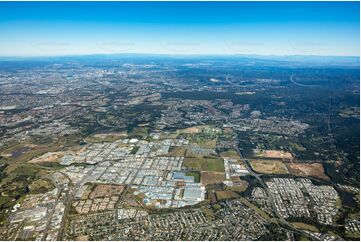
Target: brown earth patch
<point>307,169</point>
<point>48,157</point>
<point>191,130</point>
<point>269,166</point>
<point>227,194</point>
<point>104,190</point>
<point>274,154</point>
<point>211,177</point>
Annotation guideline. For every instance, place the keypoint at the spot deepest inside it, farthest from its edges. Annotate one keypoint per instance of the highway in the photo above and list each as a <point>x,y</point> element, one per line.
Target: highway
<point>299,84</point>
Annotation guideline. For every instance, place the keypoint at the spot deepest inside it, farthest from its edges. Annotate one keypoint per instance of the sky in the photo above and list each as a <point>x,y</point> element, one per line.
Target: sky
<point>220,28</point>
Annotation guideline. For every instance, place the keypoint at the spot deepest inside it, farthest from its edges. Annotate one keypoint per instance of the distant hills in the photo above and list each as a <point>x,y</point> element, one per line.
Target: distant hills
<point>273,60</point>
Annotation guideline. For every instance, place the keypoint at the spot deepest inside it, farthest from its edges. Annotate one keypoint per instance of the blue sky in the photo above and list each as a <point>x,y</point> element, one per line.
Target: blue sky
<point>263,28</point>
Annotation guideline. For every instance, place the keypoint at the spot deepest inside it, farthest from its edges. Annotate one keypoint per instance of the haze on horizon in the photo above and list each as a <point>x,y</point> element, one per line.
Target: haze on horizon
<point>221,28</point>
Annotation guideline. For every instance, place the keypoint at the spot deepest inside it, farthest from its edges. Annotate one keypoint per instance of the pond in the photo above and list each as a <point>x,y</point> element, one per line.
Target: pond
<point>20,151</point>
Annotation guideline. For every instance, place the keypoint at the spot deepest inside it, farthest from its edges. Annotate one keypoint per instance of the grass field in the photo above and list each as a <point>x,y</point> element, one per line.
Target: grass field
<point>195,174</point>
<point>355,235</point>
<point>24,169</point>
<point>240,187</point>
<point>269,166</point>
<point>211,144</point>
<point>208,212</point>
<point>304,226</point>
<point>107,137</point>
<point>138,132</point>
<point>4,200</point>
<point>255,208</point>
<point>134,150</point>
<point>177,151</point>
<point>204,136</point>
<point>205,164</point>
<point>227,194</point>
<point>21,177</point>
<point>40,185</point>
<point>230,153</point>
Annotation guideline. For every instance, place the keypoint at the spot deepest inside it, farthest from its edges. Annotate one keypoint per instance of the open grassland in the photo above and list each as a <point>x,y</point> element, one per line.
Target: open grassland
<point>226,194</point>
<point>354,235</point>
<point>211,177</point>
<point>210,144</point>
<point>230,154</point>
<point>269,166</point>
<point>177,151</point>
<point>240,186</point>
<point>22,177</point>
<point>203,136</point>
<point>30,149</point>
<point>205,164</point>
<point>195,174</point>
<point>138,132</point>
<point>40,186</point>
<point>304,226</point>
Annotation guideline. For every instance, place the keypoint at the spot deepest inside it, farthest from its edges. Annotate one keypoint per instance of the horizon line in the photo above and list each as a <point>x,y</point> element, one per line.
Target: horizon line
<point>175,55</point>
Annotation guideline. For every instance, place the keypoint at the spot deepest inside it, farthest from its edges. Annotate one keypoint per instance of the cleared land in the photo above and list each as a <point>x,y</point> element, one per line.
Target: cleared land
<point>211,177</point>
<point>205,164</point>
<point>276,154</point>
<point>307,169</point>
<point>105,190</point>
<point>269,166</point>
<point>48,157</point>
<point>106,137</point>
<point>191,130</point>
<point>227,194</point>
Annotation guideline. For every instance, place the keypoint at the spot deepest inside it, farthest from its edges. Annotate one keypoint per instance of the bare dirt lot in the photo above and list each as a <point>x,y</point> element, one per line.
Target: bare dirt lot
<point>103,190</point>
<point>211,177</point>
<point>278,154</point>
<point>308,169</point>
<point>192,130</point>
<point>48,157</point>
<point>269,166</point>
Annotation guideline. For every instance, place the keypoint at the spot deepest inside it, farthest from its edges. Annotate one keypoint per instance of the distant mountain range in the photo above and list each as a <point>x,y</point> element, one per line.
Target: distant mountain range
<point>286,60</point>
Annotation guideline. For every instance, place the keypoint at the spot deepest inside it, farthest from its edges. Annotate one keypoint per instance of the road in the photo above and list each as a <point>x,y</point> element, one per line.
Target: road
<point>122,197</point>
<point>281,220</point>
<point>68,201</point>
<point>299,84</point>
<point>49,216</point>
